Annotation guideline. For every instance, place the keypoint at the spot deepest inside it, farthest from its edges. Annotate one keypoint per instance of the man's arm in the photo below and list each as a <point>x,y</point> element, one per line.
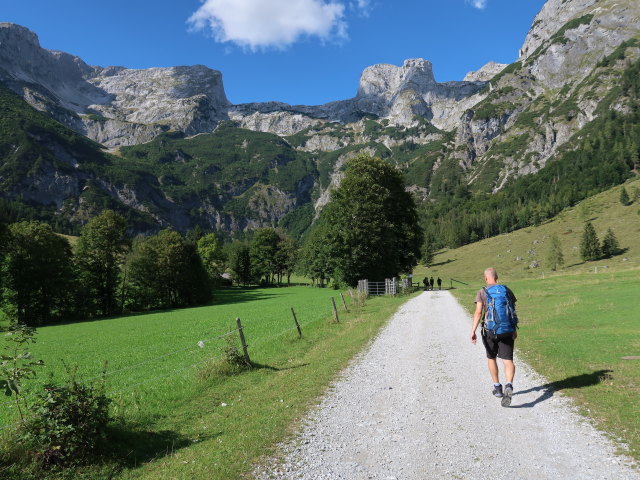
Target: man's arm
<point>476,320</point>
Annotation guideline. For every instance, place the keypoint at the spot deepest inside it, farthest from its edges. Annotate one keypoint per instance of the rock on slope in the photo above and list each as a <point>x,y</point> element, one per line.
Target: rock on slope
<point>551,92</point>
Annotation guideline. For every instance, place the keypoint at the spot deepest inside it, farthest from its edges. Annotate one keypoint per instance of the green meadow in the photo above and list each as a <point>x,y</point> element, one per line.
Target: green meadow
<point>514,253</point>
<point>170,420</point>
<point>576,330</point>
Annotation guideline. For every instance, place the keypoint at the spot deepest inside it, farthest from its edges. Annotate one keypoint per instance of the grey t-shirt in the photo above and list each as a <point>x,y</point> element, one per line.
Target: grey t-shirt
<point>481,297</point>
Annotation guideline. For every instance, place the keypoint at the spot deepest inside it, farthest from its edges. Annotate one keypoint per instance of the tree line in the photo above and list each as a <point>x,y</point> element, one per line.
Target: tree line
<point>44,279</point>
<point>368,230</point>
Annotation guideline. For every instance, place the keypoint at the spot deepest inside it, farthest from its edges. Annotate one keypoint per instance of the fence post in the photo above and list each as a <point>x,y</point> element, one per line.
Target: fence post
<point>243,341</point>
<point>296,320</point>
<point>344,304</point>
<point>335,310</point>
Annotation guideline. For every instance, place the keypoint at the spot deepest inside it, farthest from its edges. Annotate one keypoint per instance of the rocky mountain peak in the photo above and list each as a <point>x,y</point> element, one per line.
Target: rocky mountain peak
<point>553,15</point>
<point>14,35</point>
<point>384,80</point>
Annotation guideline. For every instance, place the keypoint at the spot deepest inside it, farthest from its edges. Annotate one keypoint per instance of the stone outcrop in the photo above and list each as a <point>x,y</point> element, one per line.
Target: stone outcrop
<point>486,73</point>
<point>568,37</point>
<point>558,65</point>
<point>508,121</point>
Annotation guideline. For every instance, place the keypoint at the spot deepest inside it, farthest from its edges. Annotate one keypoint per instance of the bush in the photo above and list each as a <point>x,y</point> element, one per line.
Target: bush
<point>68,424</point>
<point>232,362</point>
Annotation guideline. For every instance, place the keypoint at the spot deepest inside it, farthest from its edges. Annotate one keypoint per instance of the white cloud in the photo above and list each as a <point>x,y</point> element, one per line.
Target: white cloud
<point>363,7</point>
<point>257,24</point>
<point>478,3</point>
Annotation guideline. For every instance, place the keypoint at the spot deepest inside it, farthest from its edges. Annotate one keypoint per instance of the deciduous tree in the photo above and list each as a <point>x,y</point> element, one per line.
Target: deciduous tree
<point>165,272</point>
<point>264,254</point>
<point>371,224</point>
<point>239,261</point>
<point>213,259</point>
<point>99,254</point>
<point>38,275</point>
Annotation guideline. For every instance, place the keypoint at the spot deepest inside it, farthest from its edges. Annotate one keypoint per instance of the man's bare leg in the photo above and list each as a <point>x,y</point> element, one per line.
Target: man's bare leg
<point>493,369</point>
<point>509,370</point>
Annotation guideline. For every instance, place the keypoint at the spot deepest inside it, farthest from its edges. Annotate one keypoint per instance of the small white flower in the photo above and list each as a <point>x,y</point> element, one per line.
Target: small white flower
<point>223,404</point>
<point>201,344</point>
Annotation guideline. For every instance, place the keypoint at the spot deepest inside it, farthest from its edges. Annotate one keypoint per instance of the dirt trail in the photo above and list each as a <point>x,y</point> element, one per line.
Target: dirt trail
<point>417,405</point>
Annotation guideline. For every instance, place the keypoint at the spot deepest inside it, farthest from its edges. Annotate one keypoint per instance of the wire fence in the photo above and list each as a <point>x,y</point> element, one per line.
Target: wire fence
<point>201,344</point>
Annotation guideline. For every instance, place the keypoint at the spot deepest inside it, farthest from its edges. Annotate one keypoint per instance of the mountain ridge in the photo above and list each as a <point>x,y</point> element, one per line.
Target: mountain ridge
<point>192,99</point>
<point>505,122</point>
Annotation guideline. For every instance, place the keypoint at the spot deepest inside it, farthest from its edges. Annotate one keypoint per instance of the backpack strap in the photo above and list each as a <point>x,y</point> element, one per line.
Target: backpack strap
<point>487,306</point>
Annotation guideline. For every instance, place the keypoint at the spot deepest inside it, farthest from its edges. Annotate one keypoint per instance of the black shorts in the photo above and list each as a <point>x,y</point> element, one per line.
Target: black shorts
<point>500,345</point>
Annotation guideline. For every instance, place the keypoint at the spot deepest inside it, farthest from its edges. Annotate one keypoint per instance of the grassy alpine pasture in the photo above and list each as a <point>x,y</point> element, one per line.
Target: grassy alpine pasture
<point>171,421</point>
<point>578,322</point>
<point>513,253</point>
<point>575,330</point>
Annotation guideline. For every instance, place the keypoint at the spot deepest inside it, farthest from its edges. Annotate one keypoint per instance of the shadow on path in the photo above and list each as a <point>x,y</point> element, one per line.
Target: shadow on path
<point>548,389</point>
<point>259,366</point>
<point>135,447</point>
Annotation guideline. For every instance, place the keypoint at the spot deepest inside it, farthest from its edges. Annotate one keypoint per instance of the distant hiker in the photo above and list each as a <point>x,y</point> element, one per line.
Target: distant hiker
<point>431,282</point>
<point>425,282</point>
<point>439,283</point>
<point>495,306</point>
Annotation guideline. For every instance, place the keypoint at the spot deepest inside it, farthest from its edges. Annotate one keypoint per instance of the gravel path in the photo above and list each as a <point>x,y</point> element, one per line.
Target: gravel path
<point>417,405</point>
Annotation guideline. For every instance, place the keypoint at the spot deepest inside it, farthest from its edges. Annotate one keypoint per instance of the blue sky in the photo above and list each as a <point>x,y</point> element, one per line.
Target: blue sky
<point>296,51</point>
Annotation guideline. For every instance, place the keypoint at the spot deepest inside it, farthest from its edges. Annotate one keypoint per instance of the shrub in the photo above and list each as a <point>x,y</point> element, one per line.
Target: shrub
<point>231,362</point>
<point>68,424</point>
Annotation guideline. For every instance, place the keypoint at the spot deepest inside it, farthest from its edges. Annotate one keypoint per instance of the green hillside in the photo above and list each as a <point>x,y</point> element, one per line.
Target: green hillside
<point>49,172</point>
<point>514,253</point>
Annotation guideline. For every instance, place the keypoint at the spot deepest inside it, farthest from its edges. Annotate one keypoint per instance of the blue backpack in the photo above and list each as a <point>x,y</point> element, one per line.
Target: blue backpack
<point>500,311</point>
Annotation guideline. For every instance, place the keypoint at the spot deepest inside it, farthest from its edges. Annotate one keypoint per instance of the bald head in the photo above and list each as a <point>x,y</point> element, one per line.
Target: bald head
<point>490,275</point>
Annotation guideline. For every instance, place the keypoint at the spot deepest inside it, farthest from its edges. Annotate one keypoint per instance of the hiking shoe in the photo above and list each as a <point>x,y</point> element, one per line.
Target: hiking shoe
<point>508,393</point>
<point>497,391</point>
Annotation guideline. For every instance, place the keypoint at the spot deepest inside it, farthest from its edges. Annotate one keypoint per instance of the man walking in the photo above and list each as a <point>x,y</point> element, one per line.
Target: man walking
<point>439,283</point>
<point>495,306</point>
<point>431,282</point>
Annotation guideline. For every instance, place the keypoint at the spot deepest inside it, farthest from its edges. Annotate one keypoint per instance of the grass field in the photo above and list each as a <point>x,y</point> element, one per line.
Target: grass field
<point>530,244</point>
<point>576,323</point>
<point>170,424</point>
<point>575,330</point>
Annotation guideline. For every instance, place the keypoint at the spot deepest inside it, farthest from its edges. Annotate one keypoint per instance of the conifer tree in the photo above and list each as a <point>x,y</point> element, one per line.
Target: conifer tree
<point>610,245</point>
<point>555,257</point>
<point>428,252</point>
<point>589,245</point>
<point>624,197</point>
